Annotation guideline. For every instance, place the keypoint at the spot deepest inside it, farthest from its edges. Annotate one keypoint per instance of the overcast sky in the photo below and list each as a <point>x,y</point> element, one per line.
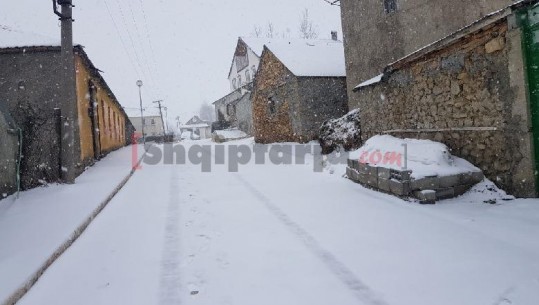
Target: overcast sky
<point>181,49</point>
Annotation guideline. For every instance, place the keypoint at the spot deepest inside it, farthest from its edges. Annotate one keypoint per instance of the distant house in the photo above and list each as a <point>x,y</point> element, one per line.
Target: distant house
<point>234,110</point>
<point>30,92</point>
<point>197,128</point>
<point>299,85</point>
<point>476,90</point>
<point>153,125</point>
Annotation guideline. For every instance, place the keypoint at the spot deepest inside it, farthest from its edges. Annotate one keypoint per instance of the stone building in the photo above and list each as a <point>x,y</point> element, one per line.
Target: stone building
<point>379,32</point>
<point>475,91</point>
<point>31,90</point>
<point>299,85</point>
<point>9,153</point>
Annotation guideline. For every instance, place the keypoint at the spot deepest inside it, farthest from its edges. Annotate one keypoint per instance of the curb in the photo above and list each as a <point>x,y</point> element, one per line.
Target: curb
<point>19,293</point>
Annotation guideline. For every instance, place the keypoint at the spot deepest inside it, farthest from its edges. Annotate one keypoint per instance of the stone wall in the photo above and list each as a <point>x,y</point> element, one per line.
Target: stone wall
<point>321,99</point>
<point>30,91</point>
<point>9,151</point>
<point>244,113</point>
<point>470,96</point>
<point>274,83</point>
<point>374,38</point>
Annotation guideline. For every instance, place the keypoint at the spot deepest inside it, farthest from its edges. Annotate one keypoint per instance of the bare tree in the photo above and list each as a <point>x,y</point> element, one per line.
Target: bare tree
<point>207,112</point>
<point>307,29</point>
<point>270,31</point>
<point>257,31</point>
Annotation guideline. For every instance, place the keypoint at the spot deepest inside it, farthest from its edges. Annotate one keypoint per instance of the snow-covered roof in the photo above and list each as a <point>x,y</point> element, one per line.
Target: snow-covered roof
<point>134,112</point>
<point>256,44</point>
<point>311,57</point>
<point>203,125</point>
<point>11,38</point>
<point>371,81</point>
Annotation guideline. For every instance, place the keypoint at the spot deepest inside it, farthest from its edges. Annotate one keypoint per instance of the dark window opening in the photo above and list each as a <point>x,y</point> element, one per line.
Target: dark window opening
<point>272,105</point>
<point>390,6</point>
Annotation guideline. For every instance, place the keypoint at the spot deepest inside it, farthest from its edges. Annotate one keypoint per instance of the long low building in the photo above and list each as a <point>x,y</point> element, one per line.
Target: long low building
<point>31,94</point>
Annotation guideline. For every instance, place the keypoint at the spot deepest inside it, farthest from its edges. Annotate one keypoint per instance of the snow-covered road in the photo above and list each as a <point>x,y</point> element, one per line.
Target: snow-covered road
<point>286,235</point>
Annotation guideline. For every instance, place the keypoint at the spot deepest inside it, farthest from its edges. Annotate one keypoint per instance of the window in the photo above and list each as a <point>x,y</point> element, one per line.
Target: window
<point>253,71</point>
<point>230,109</point>
<point>239,80</point>
<point>247,76</point>
<point>272,105</point>
<point>234,85</point>
<point>390,6</point>
<point>153,121</point>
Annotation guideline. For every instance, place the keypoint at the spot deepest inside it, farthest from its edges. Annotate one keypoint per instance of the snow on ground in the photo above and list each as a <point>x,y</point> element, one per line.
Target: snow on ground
<point>282,234</point>
<point>41,220</point>
<point>423,157</point>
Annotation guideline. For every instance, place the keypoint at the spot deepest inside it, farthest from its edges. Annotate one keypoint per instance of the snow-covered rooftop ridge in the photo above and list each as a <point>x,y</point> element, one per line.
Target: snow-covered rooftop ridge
<point>11,38</point>
<point>323,57</point>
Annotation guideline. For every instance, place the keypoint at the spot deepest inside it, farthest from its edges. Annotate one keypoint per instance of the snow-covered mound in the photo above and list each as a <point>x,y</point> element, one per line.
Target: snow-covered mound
<point>344,131</point>
<point>228,135</point>
<point>424,158</point>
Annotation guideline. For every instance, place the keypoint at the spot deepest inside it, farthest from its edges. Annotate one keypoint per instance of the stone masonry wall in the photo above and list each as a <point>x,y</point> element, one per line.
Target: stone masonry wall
<point>274,82</point>
<point>322,99</point>
<point>29,90</point>
<point>8,155</point>
<point>470,96</point>
<point>374,38</point>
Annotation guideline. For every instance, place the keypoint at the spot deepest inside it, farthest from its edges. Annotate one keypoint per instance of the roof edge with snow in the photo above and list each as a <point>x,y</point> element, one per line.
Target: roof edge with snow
<point>474,27</point>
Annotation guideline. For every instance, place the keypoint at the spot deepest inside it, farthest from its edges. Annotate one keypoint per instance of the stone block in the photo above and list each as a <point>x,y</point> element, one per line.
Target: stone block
<point>471,178</point>
<point>445,193</point>
<point>496,44</point>
<point>427,183</point>
<point>363,167</point>
<point>352,174</point>
<point>383,184</point>
<point>461,189</point>
<point>384,173</point>
<point>363,178</point>
<point>404,175</point>
<point>426,196</point>
<point>399,188</point>
<point>449,181</point>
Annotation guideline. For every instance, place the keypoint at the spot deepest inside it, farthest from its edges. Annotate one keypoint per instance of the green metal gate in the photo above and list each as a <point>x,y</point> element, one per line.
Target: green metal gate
<point>529,21</point>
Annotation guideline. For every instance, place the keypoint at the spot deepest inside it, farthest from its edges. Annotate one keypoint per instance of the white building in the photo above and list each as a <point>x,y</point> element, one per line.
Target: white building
<point>153,125</point>
<point>245,61</point>
<point>195,129</point>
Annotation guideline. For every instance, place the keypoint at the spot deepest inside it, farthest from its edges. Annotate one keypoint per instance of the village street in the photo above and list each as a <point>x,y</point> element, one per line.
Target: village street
<point>286,235</point>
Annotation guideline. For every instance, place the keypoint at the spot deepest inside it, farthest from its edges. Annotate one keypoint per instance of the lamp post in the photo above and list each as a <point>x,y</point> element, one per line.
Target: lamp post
<point>139,84</point>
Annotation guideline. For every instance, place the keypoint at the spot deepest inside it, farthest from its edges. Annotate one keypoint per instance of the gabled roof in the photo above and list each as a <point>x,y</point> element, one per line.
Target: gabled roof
<point>227,99</point>
<point>311,58</point>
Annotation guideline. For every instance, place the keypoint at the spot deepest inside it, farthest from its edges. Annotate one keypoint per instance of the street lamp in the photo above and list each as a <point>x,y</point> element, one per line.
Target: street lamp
<point>139,84</point>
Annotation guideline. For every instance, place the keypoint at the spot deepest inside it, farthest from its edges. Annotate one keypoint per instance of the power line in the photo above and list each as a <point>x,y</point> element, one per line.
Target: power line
<point>122,40</point>
<point>139,62</point>
<point>148,36</point>
<point>145,56</point>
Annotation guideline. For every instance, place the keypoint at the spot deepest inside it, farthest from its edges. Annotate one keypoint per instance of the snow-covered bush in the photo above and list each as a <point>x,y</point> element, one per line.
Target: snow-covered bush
<point>343,132</point>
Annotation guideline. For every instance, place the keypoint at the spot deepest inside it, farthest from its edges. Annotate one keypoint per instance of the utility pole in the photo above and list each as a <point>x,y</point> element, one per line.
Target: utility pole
<point>69,152</point>
<point>161,114</point>
<point>139,84</point>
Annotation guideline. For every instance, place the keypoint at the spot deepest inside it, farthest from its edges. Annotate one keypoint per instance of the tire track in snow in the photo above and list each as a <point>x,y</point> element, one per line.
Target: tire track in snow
<point>361,291</point>
<point>170,290</point>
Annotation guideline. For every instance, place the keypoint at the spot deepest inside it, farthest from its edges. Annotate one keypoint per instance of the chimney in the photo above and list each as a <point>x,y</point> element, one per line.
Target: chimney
<point>334,36</point>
